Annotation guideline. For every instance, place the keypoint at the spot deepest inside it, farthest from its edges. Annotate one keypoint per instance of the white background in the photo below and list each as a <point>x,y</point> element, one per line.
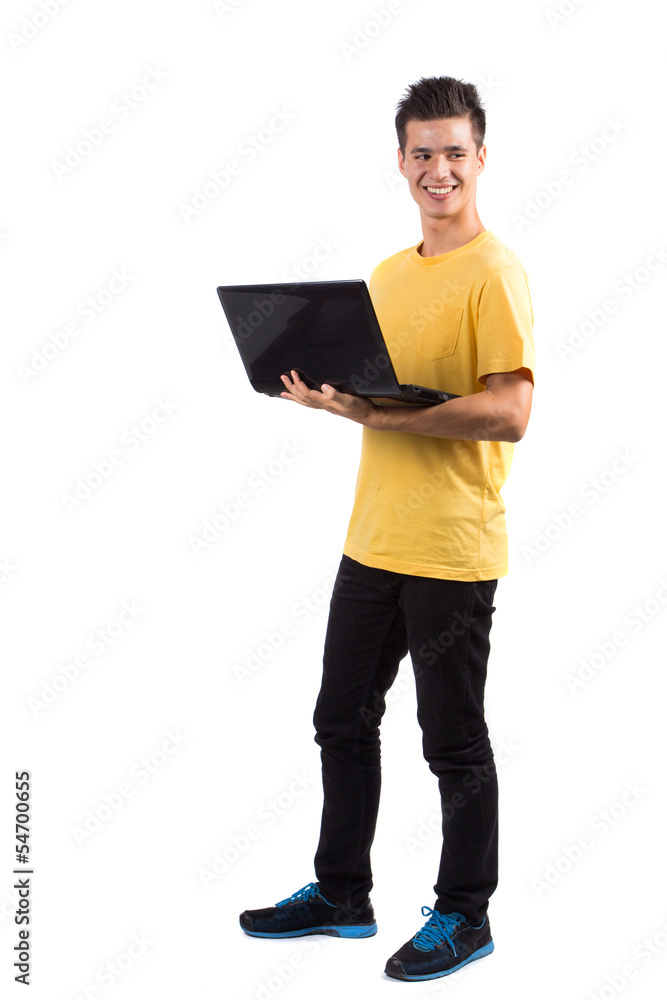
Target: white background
<point>245,757</point>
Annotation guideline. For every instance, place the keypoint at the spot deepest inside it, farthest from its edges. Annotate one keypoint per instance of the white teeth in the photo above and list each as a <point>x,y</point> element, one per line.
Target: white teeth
<point>440,190</point>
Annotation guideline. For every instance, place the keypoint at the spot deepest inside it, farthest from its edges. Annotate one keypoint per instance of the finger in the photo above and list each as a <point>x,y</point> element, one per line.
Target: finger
<point>302,386</point>
<point>289,385</point>
<point>293,392</point>
<point>302,392</point>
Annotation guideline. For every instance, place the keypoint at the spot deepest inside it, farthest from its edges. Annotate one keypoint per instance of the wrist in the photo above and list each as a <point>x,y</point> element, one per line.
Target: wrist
<point>375,418</point>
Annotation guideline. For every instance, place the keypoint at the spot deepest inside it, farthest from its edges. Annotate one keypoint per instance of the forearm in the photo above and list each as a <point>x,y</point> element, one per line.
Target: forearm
<point>483,416</point>
<point>498,413</point>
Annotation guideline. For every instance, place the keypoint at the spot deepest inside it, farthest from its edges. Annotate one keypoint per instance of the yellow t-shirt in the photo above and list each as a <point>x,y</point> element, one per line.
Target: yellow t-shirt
<point>431,506</point>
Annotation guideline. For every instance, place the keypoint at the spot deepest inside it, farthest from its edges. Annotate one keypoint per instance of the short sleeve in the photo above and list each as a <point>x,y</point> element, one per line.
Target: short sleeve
<point>505,324</point>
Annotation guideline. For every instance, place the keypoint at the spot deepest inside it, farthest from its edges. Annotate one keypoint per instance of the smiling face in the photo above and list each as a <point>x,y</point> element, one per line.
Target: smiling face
<point>441,164</point>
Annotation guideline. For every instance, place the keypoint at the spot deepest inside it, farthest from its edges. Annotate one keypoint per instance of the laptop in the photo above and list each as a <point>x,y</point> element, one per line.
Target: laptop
<point>326,330</point>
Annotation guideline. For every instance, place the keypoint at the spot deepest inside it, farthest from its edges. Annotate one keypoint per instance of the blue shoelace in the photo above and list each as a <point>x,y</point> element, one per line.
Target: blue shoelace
<point>303,895</point>
<point>438,926</point>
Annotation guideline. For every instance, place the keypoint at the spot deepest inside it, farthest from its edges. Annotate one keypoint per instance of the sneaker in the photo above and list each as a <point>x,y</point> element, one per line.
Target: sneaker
<point>308,912</point>
<point>445,944</point>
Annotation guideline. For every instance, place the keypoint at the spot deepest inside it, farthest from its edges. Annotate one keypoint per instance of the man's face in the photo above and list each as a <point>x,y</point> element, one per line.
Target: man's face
<point>441,154</point>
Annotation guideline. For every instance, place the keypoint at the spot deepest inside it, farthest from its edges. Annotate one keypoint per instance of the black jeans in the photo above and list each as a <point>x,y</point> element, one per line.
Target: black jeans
<point>375,618</point>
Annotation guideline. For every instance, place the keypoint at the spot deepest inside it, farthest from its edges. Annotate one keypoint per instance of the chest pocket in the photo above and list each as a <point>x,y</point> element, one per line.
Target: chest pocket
<point>439,338</point>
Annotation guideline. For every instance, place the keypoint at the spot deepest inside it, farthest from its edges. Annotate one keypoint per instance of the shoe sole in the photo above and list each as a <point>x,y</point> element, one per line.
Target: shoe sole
<point>360,931</point>
<point>480,953</point>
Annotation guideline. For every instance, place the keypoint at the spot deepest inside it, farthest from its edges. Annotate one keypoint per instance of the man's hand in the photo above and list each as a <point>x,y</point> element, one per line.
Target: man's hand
<point>342,403</point>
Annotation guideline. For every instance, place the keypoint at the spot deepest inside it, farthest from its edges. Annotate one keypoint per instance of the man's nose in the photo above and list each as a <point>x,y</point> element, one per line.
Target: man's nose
<point>439,168</point>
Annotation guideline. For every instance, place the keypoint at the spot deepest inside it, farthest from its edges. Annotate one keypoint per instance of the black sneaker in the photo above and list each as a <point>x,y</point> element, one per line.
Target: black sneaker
<point>308,912</point>
<point>445,944</point>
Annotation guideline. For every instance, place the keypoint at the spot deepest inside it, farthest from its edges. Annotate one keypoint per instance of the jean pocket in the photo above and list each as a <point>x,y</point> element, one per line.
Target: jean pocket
<point>485,591</point>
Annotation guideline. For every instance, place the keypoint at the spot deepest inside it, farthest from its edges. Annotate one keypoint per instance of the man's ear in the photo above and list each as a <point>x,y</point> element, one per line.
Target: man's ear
<point>401,162</point>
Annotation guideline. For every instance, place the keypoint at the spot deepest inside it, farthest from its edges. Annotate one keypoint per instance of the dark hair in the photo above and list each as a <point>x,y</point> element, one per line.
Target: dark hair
<point>440,97</point>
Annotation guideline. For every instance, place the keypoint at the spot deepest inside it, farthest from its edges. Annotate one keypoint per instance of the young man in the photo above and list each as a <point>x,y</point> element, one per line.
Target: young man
<point>425,547</point>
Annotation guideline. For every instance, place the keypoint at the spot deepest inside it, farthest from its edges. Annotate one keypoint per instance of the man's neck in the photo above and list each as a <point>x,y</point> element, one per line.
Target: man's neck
<point>439,239</point>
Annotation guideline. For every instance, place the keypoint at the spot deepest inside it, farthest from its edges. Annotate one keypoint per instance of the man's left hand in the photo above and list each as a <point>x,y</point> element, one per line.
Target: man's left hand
<point>342,403</point>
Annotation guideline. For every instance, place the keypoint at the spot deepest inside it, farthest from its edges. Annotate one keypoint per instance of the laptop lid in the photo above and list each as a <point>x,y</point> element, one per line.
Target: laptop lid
<point>326,330</point>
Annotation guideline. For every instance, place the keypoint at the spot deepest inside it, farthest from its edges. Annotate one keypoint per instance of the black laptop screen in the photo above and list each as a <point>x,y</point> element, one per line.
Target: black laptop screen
<point>328,331</point>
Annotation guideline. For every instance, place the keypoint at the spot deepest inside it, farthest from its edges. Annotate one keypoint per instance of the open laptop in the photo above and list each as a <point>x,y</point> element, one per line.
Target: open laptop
<point>326,330</point>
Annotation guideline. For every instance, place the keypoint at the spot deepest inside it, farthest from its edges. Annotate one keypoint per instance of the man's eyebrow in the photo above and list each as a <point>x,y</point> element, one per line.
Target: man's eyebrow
<point>447,149</point>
